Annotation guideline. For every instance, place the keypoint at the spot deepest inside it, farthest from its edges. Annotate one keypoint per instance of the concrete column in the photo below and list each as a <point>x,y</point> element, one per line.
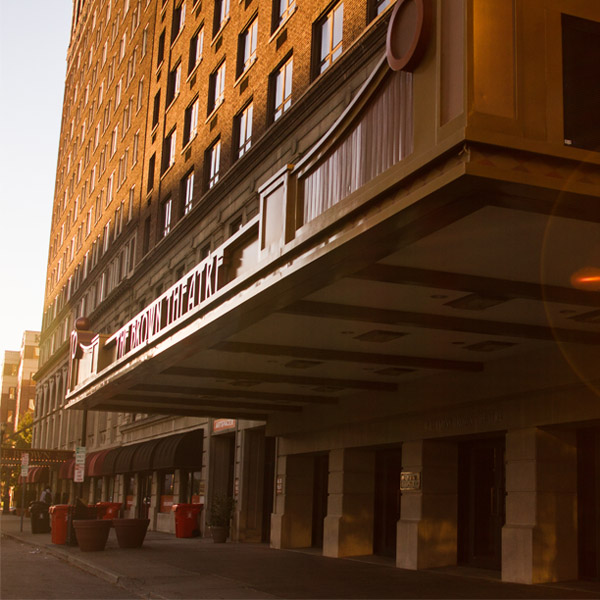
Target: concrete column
<point>348,529</point>
<point>427,530</point>
<point>291,521</point>
<point>539,538</point>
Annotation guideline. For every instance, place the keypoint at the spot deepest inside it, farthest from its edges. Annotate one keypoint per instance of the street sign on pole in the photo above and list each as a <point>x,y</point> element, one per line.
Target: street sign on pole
<point>79,472</point>
<point>24,464</point>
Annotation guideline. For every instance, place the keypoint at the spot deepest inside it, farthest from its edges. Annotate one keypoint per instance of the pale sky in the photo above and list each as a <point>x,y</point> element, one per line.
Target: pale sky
<point>34,37</point>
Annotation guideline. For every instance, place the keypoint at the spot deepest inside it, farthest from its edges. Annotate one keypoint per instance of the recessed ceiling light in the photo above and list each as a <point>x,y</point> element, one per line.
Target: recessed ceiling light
<point>302,364</point>
<point>476,302</point>
<point>394,371</point>
<point>489,346</point>
<point>588,317</point>
<point>379,336</point>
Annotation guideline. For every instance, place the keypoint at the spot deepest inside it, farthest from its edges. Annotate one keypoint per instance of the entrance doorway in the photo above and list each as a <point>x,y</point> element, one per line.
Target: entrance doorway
<point>222,464</point>
<point>588,502</point>
<point>481,502</point>
<point>144,495</point>
<point>319,508</point>
<point>268,484</point>
<point>388,466</point>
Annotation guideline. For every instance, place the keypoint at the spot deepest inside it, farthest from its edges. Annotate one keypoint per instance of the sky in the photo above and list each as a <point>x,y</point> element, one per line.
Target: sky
<point>34,37</point>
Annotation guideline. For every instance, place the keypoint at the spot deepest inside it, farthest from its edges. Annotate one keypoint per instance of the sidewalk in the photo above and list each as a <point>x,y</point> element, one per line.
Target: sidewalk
<point>168,568</point>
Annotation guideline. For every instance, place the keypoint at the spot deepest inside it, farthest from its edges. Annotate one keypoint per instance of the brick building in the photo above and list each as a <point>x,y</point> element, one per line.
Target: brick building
<point>18,386</point>
<point>340,262</point>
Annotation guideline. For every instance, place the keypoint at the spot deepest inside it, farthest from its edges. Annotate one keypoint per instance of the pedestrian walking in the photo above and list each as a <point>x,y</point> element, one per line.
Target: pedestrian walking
<point>46,495</point>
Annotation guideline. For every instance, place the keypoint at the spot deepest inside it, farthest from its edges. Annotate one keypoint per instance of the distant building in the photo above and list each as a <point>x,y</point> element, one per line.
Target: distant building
<point>340,261</point>
<point>8,401</point>
<point>18,386</point>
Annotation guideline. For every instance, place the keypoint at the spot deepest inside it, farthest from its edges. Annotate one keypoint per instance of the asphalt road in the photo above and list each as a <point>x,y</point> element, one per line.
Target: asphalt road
<point>28,573</point>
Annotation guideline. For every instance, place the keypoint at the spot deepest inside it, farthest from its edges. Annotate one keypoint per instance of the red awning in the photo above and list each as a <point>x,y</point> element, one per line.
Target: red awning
<point>94,463</point>
<point>38,475</point>
<point>67,469</point>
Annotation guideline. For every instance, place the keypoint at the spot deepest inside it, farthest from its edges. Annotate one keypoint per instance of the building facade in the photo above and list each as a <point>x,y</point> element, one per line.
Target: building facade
<point>18,386</point>
<point>339,261</point>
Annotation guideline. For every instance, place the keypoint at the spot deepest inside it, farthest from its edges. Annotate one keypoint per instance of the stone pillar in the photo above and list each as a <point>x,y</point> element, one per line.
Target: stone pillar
<point>427,530</point>
<point>349,522</point>
<point>539,538</point>
<point>291,521</point>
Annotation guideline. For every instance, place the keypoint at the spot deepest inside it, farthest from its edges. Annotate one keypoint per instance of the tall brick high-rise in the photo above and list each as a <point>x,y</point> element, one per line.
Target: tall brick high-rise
<point>340,262</point>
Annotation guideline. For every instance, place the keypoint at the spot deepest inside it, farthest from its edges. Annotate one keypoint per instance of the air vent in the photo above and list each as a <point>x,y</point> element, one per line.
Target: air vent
<point>394,371</point>
<point>476,302</point>
<point>281,39</point>
<point>379,336</point>
<point>588,317</point>
<point>188,154</point>
<point>302,364</point>
<point>243,85</point>
<point>218,43</point>
<point>489,346</point>
<point>193,81</point>
<point>214,122</point>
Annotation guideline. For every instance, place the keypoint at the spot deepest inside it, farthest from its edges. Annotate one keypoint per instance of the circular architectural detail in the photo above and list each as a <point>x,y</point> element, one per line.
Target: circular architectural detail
<point>82,324</point>
<point>407,34</point>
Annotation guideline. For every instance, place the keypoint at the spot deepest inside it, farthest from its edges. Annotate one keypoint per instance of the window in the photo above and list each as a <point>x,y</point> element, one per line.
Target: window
<point>282,10</point>
<point>106,240</point>
<point>174,84</point>
<point>131,201</point>
<point>213,161</point>
<point>166,217</point>
<point>160,56</point>
<point>127,115</point>
<point>329,33</point>
<point>378,6</point>
<point>140,94</point>
<point>178,20</point>
<point>88,222</point>
<point>145,41</point>
<point>221,14</point>
<point>216,88</point>
<point>247,47</point>
<point>122,46</point>
<point>281,83</point>
<point>196,43</point>
<point>109,188</point>
<point>169,147</point>
<point>191,122</point>
<point>118,89</point>
<point>151,167</point>
<point>243,124</point>
<point>113,140</point>
<point>136,145</point>
<point>167,489</point>
<point>188,189</point>
<point>156,111</point>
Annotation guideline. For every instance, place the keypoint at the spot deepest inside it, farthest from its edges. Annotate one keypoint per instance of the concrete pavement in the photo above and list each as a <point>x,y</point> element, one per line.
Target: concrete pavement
<point>168,567</point>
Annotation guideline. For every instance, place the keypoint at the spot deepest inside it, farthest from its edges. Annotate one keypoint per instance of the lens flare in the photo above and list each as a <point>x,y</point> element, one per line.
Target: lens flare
<point>587,279</point>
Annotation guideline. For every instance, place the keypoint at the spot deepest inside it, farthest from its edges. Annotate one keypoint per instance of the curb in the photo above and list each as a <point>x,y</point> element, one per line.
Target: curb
<point>76,561</point>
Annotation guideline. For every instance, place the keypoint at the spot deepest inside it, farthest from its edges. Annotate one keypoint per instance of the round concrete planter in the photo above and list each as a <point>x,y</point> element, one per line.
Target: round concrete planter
<point>219,534</point>
<point>130,532</point>
<point>91,534</point>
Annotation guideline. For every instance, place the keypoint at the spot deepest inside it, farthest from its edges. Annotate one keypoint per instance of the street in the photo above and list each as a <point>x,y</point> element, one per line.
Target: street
<point>29,573</point>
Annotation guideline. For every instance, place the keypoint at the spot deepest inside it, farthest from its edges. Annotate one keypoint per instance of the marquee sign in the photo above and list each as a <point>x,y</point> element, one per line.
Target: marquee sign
<point>190,292</point>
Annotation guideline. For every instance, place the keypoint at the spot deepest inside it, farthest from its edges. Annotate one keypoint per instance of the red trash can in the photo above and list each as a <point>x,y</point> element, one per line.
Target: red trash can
<point>186,520</point>
<point>108,510</point>
<point>60,522</point>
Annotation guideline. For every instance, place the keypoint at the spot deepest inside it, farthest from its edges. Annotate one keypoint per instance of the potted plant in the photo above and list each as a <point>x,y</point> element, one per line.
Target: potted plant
<point>221,511</point>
